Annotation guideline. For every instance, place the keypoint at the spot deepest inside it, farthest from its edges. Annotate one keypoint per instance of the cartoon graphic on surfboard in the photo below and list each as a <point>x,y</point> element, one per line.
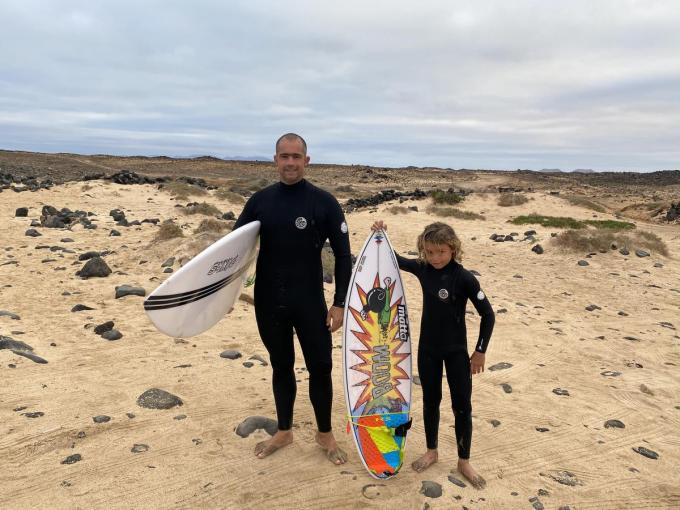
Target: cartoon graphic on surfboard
<point>377,358</point>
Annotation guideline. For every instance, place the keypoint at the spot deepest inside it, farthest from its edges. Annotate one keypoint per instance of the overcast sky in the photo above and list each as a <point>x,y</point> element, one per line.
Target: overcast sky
<point>458,84</point>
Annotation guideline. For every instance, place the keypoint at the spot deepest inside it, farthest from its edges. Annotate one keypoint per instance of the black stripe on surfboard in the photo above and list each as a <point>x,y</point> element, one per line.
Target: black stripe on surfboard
<point>174,300</point>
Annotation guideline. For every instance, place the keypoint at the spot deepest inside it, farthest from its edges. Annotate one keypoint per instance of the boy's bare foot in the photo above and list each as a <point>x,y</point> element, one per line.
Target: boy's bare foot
<point>280,439</point>
<point>469,472</point>
<point>334,453</point>
<point>424,462</point>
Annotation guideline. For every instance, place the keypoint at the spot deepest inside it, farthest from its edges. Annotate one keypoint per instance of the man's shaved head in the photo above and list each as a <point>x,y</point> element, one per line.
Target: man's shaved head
<point>291,137</point>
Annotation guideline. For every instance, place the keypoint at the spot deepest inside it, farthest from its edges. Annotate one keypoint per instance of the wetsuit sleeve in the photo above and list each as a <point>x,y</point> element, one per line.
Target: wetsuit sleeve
<point>338,235</point>
<point>481,303</point>
<point>408,265</point>
<point>248,213</point>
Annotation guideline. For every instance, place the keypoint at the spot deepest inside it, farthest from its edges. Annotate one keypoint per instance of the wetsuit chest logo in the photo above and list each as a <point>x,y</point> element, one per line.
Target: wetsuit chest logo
<point>301,223</point>
<point>443,294</point>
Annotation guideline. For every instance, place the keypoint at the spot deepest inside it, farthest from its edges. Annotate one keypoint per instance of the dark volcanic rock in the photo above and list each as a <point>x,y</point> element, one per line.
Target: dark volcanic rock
<point>615,424</point>
<point>642,253</point>
<point>456,481</point>
<point>560,391</point>
<point>506,388</point>
<point>31,232</point>
<point>95,267</point>
<point>431,489</point>
<point>128,290</point>
<point>101,418</point>
<point>102,328</point>
<point>79,308</point>
<point>89,255</point>
<point>72,459</point>
<point>13,316</point>
<point>538,249</point>
<point>500,366</point>
<point>253,423</point>
<point>566,478</point>
<point>140,448</point>
<point>230,354</point>
<point>650,454</point>
<point>21,212</point>
<point>112,334</point>
<point>158,399</point>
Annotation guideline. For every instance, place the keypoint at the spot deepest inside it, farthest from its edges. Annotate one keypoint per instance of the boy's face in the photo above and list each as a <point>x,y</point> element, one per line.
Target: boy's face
<point>437,255</point>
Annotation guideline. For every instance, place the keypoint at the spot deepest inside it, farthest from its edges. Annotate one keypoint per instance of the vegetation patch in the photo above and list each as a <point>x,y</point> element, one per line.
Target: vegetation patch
<point>211,225</point>
<point>227,194</point>
<point>581,201</point>
<point>452,212</point>
<point>511,199</point>
<point>597,240</point>
<point>182,190</point>
<point>446,197</point>
<point>202,208</point>
<point>567,222</point>
<point>397,209</point>
<point>168,230</point>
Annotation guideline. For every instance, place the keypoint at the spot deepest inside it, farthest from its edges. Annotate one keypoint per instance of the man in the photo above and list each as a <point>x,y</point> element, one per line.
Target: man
<point>296,219</point>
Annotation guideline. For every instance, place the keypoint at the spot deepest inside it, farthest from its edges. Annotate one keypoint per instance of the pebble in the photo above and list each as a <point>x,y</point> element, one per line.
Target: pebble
<point>536,503</point>
<point>642,253</point>
<point>583,263</point>
<point>592,308</point>
<point>140,448</point>
<point>155,398</point>
<point>650,454</point>
<point>506,388</point>
<point>431,489</point>
<point>500,366</point>
<point>72,459</point>
<point>94,268</point>
<point>79,308</point>
<point>230,354</point>
<point>560,391</point>
<point>566,478</point>
<point>13,316</point>
<point>253,423</point>
<point>128,290</point>
<point>537,249</point>
<point>104,327</point>
<point>456,481</point>
<point>614,424</point>
<point>101,419</point>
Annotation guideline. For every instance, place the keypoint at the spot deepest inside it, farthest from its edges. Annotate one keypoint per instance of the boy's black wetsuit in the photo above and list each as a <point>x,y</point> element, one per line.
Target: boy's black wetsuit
<point>296,221</point>
<point>443,342</point>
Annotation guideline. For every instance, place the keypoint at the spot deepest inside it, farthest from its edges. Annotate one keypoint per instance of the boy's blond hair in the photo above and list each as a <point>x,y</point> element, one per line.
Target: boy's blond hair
<point>440,233</point>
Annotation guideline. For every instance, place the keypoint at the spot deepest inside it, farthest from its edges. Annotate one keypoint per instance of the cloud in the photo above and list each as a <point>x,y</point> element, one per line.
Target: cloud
<point>446,83</point>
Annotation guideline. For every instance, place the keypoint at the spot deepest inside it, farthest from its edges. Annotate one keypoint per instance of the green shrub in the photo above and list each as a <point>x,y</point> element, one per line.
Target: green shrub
<point>446,197</point>
<point>596,240</point>
<point>452,212</point>
<point>202,208</point>
<point>510,199</point>
<point>168,230</point>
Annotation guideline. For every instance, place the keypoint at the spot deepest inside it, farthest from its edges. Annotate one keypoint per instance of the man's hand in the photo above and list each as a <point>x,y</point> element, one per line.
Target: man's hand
<point>477,361</point>
<point>334,318</point>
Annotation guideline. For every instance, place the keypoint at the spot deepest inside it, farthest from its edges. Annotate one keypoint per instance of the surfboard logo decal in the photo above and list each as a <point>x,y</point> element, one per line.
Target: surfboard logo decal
<point>223,265</point>
<point>183,298</point>
<point>301,222</point>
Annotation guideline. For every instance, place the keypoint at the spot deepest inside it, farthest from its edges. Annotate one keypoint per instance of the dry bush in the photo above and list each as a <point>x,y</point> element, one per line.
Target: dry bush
<point>212,225</point>
<point>452,212</point>
<point>202,208</point>
<point>446,197</point>
<point>168,230</point>
<point>196,245</point>
<point>596,240</point>
<point>510,199</point>
<point>182,190</point>
<point>345,188</point>
<point>581,201</point>
<point>226,194</point>
<point>397,209</point>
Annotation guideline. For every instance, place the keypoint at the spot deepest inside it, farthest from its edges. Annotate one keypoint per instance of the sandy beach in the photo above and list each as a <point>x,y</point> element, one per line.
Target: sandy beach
<point>556,372</point>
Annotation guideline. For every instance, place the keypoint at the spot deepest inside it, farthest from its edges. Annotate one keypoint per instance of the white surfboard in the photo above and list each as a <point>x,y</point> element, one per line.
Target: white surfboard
<point>199,294</point>
<point>377,358</point>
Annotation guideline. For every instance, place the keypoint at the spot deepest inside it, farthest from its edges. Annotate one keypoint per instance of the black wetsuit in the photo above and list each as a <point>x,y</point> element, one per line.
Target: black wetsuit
<point>296,221</point>
<point>443,342</point>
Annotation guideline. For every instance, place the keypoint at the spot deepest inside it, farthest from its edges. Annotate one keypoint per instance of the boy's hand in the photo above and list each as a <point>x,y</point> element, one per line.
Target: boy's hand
<point>477,361</point>
<point>334,318</point>
<point>378,225</point>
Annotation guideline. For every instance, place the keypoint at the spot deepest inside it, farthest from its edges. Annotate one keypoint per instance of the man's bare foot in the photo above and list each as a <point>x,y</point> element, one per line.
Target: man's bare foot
<point>280,439</point>
<point>469,472</point>
<point>334,453</point>
<point>424,462</point>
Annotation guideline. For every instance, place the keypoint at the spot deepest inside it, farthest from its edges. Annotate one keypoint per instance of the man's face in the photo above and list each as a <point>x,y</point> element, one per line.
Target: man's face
<point>290,161</point>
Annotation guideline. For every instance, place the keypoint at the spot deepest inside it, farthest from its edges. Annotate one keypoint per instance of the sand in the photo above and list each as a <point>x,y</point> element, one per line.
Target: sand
<point>194,458</point>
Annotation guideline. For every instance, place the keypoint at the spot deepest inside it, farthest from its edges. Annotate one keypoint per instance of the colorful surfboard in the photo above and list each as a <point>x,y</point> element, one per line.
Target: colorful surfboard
<point>377,358</point>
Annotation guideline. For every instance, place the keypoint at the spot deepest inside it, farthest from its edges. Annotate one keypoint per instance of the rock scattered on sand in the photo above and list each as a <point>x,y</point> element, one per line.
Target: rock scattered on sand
<point>31,232</point>
<point>13,316</point>
<point>583,263</point>
<point>21,212</point>
<point>80,307</point>
<point>102,418</point>
<point>610,373</point>
<point>89,255</point>
<point>20,348</point>
<point>565,478</point>
<point>506,388</point>
<point>536,503</point>
<point>500,366</point>
<point>155,398</point>
<point>253,423</point>
<point>650,454</point>
<point>96,267</point>
<point>36,414</point>
<point>230,354</point>
<point>431,489</point>
<point>542,429</point>
<point>180,417</point>
<point>456,481</point>
<point>248,364</point>
<point>72,459</point>
<point>104,327</point>
<point>560,391</point>
<point>642,253</point>
<point>644,389</point>
<point>614,424</point>
<point>112,334</point>
<point>259,358</point>
<point>140,448</point>
<point>537,249</point>
<point>494,423</point>
<point>416,380</point>
<point>592,308</point>
<point>129,290</point>
<point>169,262</point>
<point>114,233</point>
<point>624,251</point>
